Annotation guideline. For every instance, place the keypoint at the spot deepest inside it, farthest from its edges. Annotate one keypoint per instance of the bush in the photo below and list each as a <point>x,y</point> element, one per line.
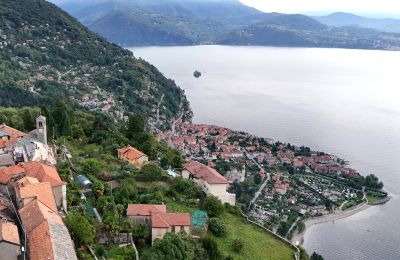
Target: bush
<point>238,245</point>
<point>212,249</point>
<point>217,227</point>
<point>152,172</point>
<point>100,251</point>
<point>213,206</point>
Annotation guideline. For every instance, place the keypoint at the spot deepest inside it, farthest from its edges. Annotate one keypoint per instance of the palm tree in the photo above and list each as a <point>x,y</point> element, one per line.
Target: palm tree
<point>120,211</point>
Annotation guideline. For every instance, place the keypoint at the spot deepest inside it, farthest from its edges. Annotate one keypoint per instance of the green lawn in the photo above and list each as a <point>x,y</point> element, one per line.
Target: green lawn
<point>373,199</point>
<point>258,243</point>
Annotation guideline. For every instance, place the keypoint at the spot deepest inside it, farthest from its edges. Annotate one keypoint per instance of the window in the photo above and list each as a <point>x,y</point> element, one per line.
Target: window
<point>40,124</point>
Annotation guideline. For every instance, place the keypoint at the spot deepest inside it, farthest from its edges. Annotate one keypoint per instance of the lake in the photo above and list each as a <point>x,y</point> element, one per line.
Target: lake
<point>345,102</point>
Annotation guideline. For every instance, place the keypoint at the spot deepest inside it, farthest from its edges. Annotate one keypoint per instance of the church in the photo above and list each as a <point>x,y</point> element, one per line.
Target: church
<point>17,146</point>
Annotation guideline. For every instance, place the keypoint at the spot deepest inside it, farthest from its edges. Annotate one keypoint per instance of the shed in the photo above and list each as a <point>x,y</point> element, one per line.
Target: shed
<point>84,181</point>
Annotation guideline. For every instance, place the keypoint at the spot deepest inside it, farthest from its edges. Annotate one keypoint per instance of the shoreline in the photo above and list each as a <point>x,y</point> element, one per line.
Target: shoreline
<point>298,239</point>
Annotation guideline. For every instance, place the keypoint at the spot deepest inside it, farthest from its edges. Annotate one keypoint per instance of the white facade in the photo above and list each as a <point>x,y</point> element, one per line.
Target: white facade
<point>217,190</point>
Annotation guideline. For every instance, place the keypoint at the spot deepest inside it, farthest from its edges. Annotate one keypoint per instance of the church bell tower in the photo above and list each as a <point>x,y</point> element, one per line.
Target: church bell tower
<point>41,129</point>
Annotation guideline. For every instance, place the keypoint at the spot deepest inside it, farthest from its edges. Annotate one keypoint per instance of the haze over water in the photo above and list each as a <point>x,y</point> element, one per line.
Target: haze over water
<point>345,102</point>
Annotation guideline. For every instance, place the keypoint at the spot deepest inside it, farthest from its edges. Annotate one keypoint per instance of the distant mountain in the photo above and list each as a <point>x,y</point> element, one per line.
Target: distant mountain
<point>47,55</point>
<point>303,31</point>
<point>348,19</point>
<point>229,22</point>
<point>161,22</point>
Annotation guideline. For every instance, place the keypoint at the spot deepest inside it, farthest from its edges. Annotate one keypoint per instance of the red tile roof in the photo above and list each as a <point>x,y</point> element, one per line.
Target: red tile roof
<point>41,191</point>
<point>166,220</point>
<point>131,153</point>
<point>40,171</point>
<point>13,133</point>
<point>35,213</point>
<point>43,173</point>
<point>9,233</point>
<point>40,243</point>
<point>7,173</point>
<point>201,171</point>
<point>145,209</point>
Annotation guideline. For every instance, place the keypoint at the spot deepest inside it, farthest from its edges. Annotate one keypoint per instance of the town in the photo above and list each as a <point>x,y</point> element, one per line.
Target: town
<point>276,184</point>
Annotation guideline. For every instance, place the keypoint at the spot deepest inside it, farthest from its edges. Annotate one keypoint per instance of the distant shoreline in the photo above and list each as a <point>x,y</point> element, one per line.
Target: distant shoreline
<point>298,239</point>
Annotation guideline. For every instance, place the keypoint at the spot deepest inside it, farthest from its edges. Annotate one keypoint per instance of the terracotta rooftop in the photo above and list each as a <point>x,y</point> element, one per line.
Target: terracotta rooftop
<point>145,209</point>
<point>7,173</point>
<point>201,171</point>
<point>41,191</point>
<point>43,173</point>
<point>9,233</point>
<point>50,240</point>
<point>35,213</point>
<point>166,220</point>
<point>12,132</point>
<point>131,153</point>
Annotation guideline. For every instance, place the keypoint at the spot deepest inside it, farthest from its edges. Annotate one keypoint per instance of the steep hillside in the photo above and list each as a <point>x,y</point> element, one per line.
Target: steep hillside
<point>348,19</point>
<point>46,55</point>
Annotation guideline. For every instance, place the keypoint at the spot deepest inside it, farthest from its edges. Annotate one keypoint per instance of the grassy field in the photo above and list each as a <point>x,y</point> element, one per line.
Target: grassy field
<point>258,243</point>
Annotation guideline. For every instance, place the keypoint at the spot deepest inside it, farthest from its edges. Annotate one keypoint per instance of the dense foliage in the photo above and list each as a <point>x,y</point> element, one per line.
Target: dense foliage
<point>42,44</point>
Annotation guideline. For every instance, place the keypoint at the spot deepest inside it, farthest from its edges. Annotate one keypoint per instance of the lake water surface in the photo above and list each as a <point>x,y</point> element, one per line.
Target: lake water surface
<point>345,102</point>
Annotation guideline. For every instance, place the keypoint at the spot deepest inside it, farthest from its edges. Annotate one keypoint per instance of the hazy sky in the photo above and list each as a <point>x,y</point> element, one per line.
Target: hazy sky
<point>373,7</point>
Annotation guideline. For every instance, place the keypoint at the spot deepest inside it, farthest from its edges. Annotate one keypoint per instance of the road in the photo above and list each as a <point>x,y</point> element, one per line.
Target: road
<point>268,175</point>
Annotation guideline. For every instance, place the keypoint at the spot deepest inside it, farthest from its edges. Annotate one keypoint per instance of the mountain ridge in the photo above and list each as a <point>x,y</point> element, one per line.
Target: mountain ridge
<point>195,22</point>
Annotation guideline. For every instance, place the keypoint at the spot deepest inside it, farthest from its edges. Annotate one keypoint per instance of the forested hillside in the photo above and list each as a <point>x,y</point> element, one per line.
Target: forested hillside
<point>46,55</point>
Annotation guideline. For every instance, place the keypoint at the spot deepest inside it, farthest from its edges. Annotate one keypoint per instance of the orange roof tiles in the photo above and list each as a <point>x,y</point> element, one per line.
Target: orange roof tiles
<point>40,244</point>
<point>165,220</point>
<point>9,233</point>
<point>43,173</point>
<point>35,213</point>
<point>7,173</point>
<point>201,171</point>
<point>131,153</point>
<point>145,209</point>
<point>13,133</point>
<point>42,191</point>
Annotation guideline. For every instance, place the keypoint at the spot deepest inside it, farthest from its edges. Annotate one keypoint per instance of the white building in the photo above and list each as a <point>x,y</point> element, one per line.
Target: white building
<point>209,180</point>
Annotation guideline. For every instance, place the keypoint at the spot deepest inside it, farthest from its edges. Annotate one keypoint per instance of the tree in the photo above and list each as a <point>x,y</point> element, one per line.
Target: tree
<point>212,249</point>
<point>283,228</point>
<point>217,227</point>
<point>238,245</point>
<point>126,226</point>
<point>371,181</point>
<point>29,123</point>
<point>316,256</point>
<point>110,225</point>
<point>172,246</point>
<point>91,166</point>
<point>257,178</point>
<point>301,226</point>
<point>81,229</point>
<point>98,188</point>
<point>213,206</point>
<point>61,118</point>
<point>140,233</point>
<point>152,172</point>
<point>136,126</point>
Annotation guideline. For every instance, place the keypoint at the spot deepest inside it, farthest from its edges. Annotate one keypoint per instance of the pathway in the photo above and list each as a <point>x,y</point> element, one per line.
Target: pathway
<point>293,225</point>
